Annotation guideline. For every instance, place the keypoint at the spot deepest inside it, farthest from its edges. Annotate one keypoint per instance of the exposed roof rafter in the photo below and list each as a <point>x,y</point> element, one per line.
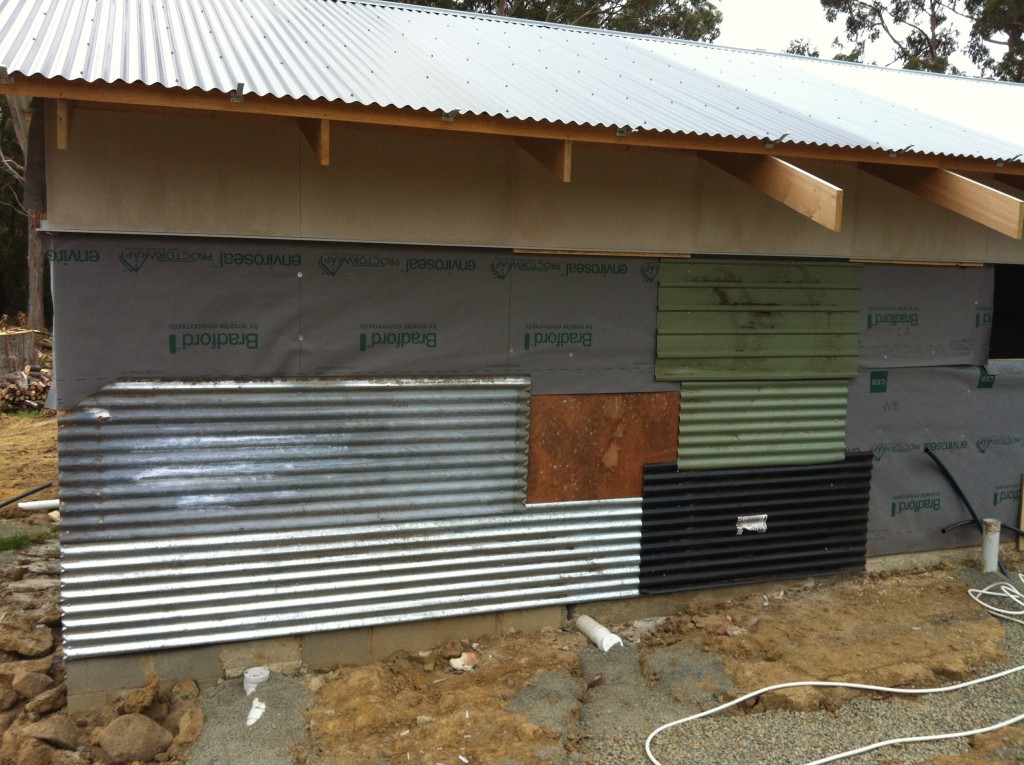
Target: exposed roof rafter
<point>972,199</point>
<point>797,189</point>
<point>556,156</point>
<point>318,134</point>
<point>120,94</point>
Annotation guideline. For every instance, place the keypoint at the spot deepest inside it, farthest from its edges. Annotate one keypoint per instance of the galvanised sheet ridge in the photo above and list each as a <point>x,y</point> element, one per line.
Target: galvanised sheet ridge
<point>349,586</point>
<point>116,598</point>
<point>305,540</point>
<point>112,580</point>
<point>534,598</point>
<point>375,53</point>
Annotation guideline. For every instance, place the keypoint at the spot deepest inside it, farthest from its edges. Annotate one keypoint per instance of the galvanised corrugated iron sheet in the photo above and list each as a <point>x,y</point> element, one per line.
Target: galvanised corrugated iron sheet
<point>201,512</point>
<point>156,458</point>
<point>790,422</point>
<point>706,528</point>
<point>382,54</point>
<point>158,592</point>
<point>732,319</point>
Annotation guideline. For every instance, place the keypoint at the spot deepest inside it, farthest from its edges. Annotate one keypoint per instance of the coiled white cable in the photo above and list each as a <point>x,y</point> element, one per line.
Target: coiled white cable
<point>1001,590</point>
<point>856,686</point>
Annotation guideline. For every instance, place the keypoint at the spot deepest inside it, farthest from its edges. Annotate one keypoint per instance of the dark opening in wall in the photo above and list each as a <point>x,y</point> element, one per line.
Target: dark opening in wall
<point>1008,313</point>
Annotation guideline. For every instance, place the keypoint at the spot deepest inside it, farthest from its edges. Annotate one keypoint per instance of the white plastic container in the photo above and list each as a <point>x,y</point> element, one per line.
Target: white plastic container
<point>253,677</point>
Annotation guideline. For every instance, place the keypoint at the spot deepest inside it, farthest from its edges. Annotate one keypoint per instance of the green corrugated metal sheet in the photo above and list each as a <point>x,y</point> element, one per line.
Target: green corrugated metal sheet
<point>743,424</point>
<point>764,350</point>
<point>757,320</point>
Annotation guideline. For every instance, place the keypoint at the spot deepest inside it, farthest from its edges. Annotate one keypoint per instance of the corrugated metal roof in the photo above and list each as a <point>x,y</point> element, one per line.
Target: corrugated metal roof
<point>375,53</point>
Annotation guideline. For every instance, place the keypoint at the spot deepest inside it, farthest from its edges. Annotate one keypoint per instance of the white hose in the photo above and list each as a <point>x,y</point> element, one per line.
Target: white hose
<point>1001,590</point>
<point>856,686</point>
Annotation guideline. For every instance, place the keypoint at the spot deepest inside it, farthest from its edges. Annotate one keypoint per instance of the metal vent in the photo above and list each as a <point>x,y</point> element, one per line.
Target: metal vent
<point>706,528</point>
<point>203,512</point>
<point>739,424</point>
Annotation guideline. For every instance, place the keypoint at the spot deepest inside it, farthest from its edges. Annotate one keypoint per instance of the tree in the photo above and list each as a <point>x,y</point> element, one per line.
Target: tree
<point>802,47</point>
<point>13,217</point>
<point>997,23</point>
<point>921,31</point>
<point>686,19</point>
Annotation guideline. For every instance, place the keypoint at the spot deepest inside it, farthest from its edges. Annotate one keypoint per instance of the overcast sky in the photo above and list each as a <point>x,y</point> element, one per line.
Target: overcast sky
<point>771,24</point>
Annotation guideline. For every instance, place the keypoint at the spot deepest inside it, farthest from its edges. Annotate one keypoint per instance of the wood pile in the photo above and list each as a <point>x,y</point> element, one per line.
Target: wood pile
<point>27,389</point>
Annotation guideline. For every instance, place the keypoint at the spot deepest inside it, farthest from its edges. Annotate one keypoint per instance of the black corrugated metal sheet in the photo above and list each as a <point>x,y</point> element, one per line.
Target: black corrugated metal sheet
<point>816,523</point>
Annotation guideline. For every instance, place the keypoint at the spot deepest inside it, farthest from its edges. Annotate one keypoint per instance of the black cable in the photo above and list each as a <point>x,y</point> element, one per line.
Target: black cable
<point>28,493</point>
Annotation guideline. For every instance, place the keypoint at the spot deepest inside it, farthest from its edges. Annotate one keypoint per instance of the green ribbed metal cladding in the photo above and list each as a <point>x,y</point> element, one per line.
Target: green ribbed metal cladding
<point>743,424</point>
<point>733,319</point>
<point>764,350</point>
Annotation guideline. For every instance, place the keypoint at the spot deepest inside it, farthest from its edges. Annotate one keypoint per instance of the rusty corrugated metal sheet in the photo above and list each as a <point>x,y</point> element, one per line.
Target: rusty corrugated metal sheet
<point>384,54</point>
<point>207,511</point>
<point>595,446</point>
<point>743,319</point>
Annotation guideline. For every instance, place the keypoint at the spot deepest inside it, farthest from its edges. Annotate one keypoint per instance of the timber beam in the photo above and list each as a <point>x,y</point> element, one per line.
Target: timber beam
<point>157,97</point>
<point>972,199</point>
<point>318,135</point>
<point>797,189</point>
<point>65,115</point>
<point>556,156</point>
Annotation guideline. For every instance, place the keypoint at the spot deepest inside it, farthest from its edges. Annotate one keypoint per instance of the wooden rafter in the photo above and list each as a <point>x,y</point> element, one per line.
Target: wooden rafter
<point>972,199</point>
<point>65,115</point>
<point>113,94</point>
<point>318,134</point>
<point>807,194</point>
<point>556,156</point>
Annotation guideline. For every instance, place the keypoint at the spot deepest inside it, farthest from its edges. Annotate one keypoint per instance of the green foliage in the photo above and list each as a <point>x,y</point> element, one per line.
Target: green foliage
<point>998,24</point>
<point>802,47</point>
<point>686,19</point>
<point>14,542</point>
<point>920,31</point>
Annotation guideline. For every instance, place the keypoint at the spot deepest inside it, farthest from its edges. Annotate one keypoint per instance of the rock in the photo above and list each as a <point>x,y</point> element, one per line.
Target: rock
<point>186,689</point>
<point>45,567</point>
<point>134,737</point>
<point>51,700</point>
<point>8,718</point>
<point>190,725</point>
<point>452,649</point>
<point>31,684</point>
<point>8,697</point>
<point>35,584</point>
<point>25,639</point>
<point>57,730</point>
<point>9,669</point>
<point>142,698</point>
<point>34,752</point>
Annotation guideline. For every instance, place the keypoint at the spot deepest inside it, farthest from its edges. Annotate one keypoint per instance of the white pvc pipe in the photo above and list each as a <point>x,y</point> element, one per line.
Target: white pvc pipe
<point>990,544</point>
<point>40,504</point>
<point>599,635</point>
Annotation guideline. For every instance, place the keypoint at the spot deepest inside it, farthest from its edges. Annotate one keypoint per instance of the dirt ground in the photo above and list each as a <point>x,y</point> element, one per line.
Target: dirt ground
<point>528,699</point>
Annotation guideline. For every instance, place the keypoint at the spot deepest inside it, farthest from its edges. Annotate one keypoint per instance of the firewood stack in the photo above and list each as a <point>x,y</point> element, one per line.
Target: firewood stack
<point>26,390</point>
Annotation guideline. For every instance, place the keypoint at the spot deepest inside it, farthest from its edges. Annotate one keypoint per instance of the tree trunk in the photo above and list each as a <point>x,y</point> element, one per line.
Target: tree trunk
<point>17,350</point>
<point>36,269</point>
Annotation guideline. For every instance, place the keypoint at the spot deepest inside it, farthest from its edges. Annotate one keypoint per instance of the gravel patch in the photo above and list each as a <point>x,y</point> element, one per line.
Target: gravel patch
<point>227,739</point>
<point>785,737</point>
